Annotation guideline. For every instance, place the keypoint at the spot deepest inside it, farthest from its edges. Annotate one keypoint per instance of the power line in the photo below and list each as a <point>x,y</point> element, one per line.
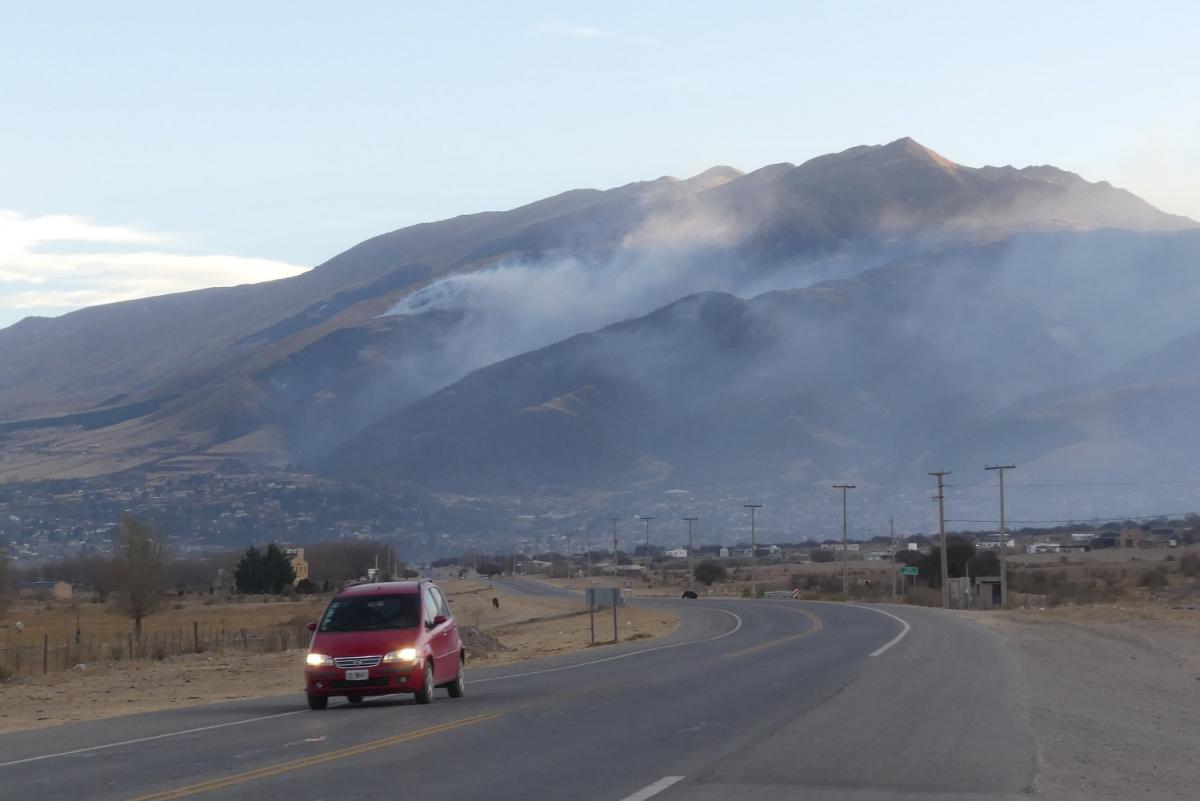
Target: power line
<point>1086,519</point>
<point>1068,484</point>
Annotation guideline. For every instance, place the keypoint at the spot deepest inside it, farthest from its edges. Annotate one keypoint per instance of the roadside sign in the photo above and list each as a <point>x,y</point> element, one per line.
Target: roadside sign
<point>909,571</point>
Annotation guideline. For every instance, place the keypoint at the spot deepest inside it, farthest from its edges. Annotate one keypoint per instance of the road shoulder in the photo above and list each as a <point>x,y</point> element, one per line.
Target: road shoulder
<point>1112,694</point>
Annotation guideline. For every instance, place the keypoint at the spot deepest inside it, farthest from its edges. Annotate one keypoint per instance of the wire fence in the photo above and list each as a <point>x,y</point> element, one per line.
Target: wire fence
<point>43,655</point>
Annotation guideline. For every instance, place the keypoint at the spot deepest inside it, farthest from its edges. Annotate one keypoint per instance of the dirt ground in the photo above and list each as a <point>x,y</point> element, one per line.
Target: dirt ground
<point>1112,693</point>
<point>524,627</point>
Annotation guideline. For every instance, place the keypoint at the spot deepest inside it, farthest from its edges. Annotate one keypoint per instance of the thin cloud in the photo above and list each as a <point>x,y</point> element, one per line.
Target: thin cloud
<point>571,31</point>
<point>57,263</point>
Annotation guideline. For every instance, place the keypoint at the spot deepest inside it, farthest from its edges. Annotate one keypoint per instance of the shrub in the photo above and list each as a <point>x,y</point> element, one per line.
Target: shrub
<point>1153,579</point>
<point>1189,565</point>
<point>5,674</point>
<point>306,587</point>
<point>707,572</point>
<point>818,556</point>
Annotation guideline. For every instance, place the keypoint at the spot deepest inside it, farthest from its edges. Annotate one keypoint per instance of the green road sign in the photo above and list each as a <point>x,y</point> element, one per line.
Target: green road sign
<point>909,571</point>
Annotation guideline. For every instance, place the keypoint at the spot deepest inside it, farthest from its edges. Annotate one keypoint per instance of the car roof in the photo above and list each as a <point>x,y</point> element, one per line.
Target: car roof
<point>384,588</point>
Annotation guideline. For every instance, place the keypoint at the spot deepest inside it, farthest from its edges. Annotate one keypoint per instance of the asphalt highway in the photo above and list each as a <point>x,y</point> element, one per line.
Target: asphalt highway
<point>745,700</point>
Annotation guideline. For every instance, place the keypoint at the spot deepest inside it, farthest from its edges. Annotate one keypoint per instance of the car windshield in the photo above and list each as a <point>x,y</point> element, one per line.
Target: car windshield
<point>371,613</point>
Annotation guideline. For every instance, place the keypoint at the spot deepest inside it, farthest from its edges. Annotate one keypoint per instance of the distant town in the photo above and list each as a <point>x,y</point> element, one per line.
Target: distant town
<point>221,511</point>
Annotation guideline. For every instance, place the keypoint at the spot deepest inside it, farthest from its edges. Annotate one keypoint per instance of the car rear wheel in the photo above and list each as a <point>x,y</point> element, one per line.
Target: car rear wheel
<point>317,701</point>
<point>458,687</point>
<point>354,699</point>
<point>425,694</point>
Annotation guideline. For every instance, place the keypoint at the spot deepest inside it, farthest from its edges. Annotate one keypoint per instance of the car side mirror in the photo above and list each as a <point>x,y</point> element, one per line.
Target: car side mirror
<point>439,620</point>
<point>311,627</point>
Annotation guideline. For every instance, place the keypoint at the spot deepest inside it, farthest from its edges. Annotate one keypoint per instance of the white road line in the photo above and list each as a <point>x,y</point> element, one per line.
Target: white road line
<point>618,656</point>
<point>147,739</point>
<point>651,790</point>
<point>298,711</point>
<point>895,639</point>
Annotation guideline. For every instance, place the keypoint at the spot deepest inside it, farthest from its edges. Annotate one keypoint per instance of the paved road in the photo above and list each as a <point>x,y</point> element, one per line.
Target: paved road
<point>747,699</point>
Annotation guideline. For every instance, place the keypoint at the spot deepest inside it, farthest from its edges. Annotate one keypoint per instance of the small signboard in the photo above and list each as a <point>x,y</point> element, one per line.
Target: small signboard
<point>603,597</point>
<point>909,570</point>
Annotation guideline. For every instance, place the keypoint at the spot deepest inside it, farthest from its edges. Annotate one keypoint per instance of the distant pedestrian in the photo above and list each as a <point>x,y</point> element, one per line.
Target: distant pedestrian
<point>495,603</point>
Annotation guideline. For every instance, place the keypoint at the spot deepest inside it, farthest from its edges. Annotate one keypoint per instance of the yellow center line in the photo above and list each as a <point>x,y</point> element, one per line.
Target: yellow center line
<point>317,759</point>
<point>817,624</point>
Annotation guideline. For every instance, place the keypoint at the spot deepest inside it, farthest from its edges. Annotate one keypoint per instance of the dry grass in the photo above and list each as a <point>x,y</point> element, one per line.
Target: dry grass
<point>106,622</point>
<point>526,626</point>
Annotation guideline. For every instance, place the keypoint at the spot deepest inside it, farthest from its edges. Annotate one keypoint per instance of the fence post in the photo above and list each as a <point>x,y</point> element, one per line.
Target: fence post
<point>195,636</point>
<point>45,653</point>
<point>245,642</point>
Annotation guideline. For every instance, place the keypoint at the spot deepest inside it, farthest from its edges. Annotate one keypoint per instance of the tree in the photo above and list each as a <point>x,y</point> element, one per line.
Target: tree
<point>818,556</point>
<point>707,572</point>
<point>258,572</point>
<point>490,569</point>
<point>277,570</point>
<point>959,551</point>
<point>248,575</point>
<point>139,571</point>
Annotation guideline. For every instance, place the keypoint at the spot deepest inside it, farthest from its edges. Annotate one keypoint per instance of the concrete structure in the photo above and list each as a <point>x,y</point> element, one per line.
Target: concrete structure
<point>299,563</point>
<point>44,590</point>
<point>678,553</point>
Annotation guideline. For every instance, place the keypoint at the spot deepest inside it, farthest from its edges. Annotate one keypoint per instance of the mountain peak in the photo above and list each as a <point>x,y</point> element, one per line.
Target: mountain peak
<point>908,146</point>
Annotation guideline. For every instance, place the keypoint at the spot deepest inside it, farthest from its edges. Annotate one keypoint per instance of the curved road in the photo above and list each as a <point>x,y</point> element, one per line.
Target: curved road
<point>746,699</point>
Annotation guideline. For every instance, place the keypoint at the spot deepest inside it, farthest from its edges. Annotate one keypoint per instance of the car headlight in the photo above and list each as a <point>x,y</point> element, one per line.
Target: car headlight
<point>402,655</point>
<point>318,660</point>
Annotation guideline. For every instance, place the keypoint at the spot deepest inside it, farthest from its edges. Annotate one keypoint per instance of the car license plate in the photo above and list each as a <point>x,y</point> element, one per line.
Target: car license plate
<point>357,675</point>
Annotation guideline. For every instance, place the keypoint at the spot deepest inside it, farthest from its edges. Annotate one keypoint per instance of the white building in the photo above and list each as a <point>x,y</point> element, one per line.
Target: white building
<point>678,553</point>
<point>993,543</point>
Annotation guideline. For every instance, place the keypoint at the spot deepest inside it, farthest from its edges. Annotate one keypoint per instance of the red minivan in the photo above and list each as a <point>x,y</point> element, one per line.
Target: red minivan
<point>379,639</point>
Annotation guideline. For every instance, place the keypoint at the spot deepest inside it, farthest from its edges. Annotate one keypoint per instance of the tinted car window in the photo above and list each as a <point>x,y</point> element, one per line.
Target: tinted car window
<point>442,605</point>
<point>431,607</point>
<point>371,613</point>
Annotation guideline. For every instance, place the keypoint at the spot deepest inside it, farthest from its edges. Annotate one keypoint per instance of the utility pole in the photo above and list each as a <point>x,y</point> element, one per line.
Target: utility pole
<point>614,520</point>
<point>753,547</point>
<point>845,543</point>
<point>589,547</point>
<point>1000,468</point>
<point>941,499</point>
<point>691,554</point>
<point>646,519</point>
<point>895,574</point>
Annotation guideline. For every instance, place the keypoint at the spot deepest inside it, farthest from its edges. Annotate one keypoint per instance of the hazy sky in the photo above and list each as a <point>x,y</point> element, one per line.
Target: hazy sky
<point>148,147</point>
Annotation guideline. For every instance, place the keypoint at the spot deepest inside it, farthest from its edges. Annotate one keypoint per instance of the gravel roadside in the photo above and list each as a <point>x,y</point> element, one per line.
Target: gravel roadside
<point>1113,696</point>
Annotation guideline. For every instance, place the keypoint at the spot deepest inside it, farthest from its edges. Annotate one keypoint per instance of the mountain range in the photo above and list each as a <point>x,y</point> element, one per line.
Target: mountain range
<point>871,314</point>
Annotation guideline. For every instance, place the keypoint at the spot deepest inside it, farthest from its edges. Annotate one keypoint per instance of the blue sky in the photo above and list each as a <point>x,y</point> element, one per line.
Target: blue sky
<point>149,147</point>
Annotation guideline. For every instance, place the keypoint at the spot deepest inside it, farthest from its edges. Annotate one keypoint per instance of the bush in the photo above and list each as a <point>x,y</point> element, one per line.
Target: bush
<point>1154,579</point>
<point>708,572</point>
<point>819,557</point>
<point>1189,565</point>
<point>5,674</point>
<point>306,587</point>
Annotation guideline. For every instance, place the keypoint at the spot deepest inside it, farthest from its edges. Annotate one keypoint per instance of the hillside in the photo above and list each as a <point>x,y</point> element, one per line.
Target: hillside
<point>289,370</point>
<point>907,367</point>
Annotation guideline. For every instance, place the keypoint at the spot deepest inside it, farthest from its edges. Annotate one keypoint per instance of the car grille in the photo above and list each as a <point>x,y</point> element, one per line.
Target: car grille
<point>357,661</point>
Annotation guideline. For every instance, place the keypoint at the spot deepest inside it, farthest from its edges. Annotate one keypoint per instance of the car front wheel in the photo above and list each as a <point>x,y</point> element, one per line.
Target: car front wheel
<point>318,701</point>
<point>425,694</point>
